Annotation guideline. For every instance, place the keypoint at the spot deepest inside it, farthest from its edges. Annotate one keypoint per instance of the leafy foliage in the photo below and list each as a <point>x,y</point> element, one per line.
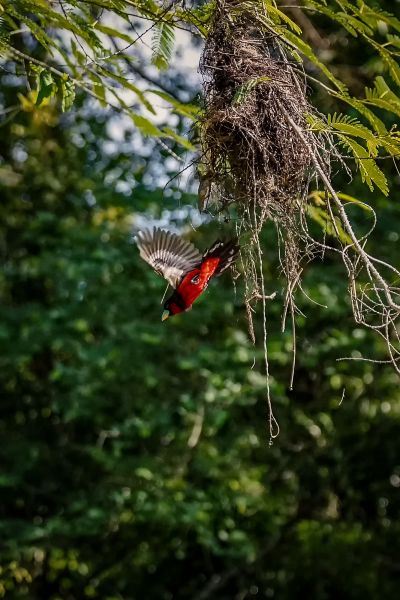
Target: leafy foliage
<point>87,40</point>
<point>45,85</point>
<point>346,128</point>
<point>83,52</point>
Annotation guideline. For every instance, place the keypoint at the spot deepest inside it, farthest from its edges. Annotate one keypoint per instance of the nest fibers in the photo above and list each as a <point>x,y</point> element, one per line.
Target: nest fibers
<point>251,151</point>
<point>253,160</point>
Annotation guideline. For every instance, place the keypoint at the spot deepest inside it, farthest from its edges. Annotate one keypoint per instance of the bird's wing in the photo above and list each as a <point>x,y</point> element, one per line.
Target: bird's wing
<point>170,255</point>
<point>227,252</point>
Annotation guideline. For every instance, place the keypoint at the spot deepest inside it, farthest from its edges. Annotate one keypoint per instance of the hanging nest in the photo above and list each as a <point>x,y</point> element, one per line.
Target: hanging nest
<point>250,150</point>
<point>252,159</point>
<point>259,156</point>
<point>257,149</point>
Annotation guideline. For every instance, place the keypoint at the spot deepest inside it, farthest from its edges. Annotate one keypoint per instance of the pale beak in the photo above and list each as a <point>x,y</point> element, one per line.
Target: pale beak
<point>165,315</point>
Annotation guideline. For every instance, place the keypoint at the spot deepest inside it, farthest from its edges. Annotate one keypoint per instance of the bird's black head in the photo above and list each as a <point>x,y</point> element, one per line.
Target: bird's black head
<point>172,307</point>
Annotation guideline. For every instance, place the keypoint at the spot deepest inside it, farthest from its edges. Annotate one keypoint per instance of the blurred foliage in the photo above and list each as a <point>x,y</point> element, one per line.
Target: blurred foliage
<point>134,458</point>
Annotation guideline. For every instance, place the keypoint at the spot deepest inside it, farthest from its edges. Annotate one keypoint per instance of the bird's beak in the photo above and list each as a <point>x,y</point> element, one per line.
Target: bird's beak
<point>165,315</point>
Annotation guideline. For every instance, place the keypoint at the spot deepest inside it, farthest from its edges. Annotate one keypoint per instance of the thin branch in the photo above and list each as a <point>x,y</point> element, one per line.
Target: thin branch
<point>123,109</point>
<point>145,76</point>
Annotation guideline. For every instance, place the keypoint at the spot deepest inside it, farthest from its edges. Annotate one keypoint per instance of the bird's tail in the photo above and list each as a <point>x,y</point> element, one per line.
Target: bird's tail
<point>226,251</point>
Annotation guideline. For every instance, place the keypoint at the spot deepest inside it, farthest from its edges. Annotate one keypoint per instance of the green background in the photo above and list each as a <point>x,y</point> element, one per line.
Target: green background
<point>134,456</point>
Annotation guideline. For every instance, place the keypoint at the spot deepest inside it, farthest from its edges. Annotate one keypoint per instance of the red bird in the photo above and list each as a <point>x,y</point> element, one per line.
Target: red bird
<point>182,265</point>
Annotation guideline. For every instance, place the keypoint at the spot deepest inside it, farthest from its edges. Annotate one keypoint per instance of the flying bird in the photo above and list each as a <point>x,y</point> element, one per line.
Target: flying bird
<point>183,266</point>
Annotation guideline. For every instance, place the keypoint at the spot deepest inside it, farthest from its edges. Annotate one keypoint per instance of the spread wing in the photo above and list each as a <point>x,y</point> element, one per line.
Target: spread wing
<point>170,255</point>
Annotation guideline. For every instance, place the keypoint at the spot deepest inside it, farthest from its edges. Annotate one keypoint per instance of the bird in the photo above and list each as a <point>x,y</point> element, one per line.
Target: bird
<point>183,266</point>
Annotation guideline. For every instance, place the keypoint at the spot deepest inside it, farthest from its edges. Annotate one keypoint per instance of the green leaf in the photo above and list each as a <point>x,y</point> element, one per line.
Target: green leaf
<point>279,16</point>
<point>162,45</point>
<point>352,200</point>
<point>80,57</point>
<point>37,31</point>
<point>383,97</point>
<point>129,86</point>
<point>170,133</point>
<point>83,29</point>
<point>370,172</point>
<point>98,88</point>
<point>4,31</point>
<point>45,86</point>
<point>306,50</point>
<point>113,32</point>
<point>350,126</point>
<point>391,64</point>
<point>391,145</point>
<point>322,217</point>
<point>245,89</point>
<point>351,22</point>
<point>146,127</point>
<point>375,121</point>
<point>394,40</point>
<point>374,16</point>
<point>67,94</point>
<point>191,111</point>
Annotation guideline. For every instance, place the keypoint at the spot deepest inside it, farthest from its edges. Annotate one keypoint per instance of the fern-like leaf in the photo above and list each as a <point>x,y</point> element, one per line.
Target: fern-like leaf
<point>4,31</point>
<point>393,40</point>
<point>383,97</point>
<point>374,16</point>
<point>391,63</point>
<point>162,45</point>
<point>190,111</point>
<point>322,218</point>
<point>351,126</point>
<point>299,44</point>
<point>370,173</point>
<point>278,16</point>
<point>375,121</point>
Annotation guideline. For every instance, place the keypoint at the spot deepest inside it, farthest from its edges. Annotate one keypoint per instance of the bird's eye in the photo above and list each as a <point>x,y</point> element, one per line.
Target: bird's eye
<point>195,279</point>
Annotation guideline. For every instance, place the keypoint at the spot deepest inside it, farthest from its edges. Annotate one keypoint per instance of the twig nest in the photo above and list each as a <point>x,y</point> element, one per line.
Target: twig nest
<point>250,152</point>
